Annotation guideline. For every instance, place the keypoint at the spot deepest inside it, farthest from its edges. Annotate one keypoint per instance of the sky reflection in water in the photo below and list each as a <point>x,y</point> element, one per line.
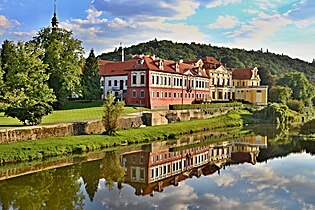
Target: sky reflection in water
<point>231,176</point>
<point>282,183</point>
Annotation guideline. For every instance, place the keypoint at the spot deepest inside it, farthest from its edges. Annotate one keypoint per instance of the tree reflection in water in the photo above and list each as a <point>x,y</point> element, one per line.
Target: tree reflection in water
<point>51,189</point>
<point>149,169</point>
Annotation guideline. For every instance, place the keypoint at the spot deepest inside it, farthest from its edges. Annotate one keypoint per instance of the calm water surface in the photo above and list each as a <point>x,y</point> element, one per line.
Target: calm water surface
<point>247,171</point>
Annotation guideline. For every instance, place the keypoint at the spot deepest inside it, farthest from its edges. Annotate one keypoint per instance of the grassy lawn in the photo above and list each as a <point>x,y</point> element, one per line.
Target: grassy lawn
<point>31,150</point>
<point>72,111</point>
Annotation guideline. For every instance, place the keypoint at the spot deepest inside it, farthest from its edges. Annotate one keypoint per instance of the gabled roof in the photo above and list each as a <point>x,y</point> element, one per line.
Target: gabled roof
<point>208,62</point>
<point>242,73</point>
<point>153,64</point>
<point>109,68</point>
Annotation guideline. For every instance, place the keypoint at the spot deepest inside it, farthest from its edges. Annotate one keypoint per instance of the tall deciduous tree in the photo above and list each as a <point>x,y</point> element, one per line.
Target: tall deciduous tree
<point>7,51</point>
<point>266,77</point>
<point>112,112</point>
<point>2,91</point>
<point>64,56</point>
<point>301,87</point>
<point>279,94</point>
<point>91,78</point>
<point>27,92</point>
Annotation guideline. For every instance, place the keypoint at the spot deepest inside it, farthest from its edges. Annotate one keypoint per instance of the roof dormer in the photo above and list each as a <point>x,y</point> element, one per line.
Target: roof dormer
<point>159,64</point>
<point>177,67</point>
<point>140,61</point>
<point>255,74</point>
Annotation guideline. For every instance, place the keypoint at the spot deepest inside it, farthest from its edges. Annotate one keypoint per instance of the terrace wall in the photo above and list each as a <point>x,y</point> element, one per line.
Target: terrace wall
<point>95,126</point>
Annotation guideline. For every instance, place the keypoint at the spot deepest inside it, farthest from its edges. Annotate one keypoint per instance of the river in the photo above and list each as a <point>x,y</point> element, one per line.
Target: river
<point>256,168</point>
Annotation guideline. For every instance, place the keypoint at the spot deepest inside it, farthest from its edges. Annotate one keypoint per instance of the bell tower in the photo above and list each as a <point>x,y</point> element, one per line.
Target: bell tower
<point>54,20</point>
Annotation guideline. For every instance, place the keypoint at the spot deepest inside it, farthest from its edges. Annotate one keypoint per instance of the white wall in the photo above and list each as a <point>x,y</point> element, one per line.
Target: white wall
<point>115,89</point>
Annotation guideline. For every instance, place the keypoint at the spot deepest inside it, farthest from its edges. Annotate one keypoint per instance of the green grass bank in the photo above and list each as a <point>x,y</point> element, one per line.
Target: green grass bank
<point>50,147</point>
<point>72,111</point>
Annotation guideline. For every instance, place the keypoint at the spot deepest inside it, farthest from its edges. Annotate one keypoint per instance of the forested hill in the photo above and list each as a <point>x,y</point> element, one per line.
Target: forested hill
<point>276,64</point>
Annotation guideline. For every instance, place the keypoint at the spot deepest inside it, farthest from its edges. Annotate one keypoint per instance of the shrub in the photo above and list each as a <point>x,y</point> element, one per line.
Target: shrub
<point>296,105</point>
<point>112,112</point>
<point>308,128</point>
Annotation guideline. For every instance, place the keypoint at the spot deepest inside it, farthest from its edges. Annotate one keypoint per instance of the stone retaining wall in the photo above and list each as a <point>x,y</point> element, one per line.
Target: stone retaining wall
<point>169,116</point>
<point>62,129</point>
<point>96,126</point>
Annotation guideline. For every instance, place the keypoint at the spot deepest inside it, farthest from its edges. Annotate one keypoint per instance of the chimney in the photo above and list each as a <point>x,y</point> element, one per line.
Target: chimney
<point>181,61</point>
<point>153,57</point>
<point>122,52</point>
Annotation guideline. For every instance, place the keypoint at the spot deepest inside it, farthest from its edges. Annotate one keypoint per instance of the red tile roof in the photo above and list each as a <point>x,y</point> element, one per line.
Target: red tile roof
<point>108,68</point>
<point>242,73</point>
<point>168,66</point>
<point>115,68</point>
<point>208,62</point>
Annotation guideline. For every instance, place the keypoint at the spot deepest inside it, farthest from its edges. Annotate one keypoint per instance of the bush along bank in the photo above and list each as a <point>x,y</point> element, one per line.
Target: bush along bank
<point>50,147</point>
<point>276,113</point>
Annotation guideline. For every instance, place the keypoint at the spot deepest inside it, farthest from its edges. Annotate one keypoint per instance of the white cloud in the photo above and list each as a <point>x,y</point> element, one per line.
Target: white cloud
<point>266,4</point>
<point>217,3</point>
<point>260,28</point>
<point>103,34</point>
<point>23,35</point>
<point>225,22</point>
<point>92,13</point>
<point>6,24</point>
<point>130,9</point>
<point>224,180</point>
<point>264,177</point>
<point>251,11</point>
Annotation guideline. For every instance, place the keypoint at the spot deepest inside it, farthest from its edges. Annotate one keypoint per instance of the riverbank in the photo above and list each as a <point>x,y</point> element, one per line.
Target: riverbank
<point>50,147</point>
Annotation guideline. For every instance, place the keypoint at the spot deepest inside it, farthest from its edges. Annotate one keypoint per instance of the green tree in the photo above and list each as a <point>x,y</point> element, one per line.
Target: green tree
<point>28,95</point>
<point>7,51</point>
<point>64,56</point>
<point>112,112</point>
<point>90,78</point>
<point>266,77</point>
<point>296,105</point>
<point>279,94</point>
<point>301,87</point>
<point>2,91</point>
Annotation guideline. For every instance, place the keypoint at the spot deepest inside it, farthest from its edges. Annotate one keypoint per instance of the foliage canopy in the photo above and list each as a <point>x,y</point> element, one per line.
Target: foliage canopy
<point>27,93</point>
<point>64,56</point>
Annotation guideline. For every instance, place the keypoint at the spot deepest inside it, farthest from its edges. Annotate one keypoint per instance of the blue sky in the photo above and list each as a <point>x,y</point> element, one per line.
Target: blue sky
<point>281,26</point>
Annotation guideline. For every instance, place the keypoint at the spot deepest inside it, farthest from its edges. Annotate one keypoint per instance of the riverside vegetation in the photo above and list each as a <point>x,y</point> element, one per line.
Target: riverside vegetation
<point>31,150</point>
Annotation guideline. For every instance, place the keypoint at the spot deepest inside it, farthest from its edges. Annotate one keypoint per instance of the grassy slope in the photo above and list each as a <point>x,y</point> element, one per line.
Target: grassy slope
<point>73,111</point>
<point>23,151</point>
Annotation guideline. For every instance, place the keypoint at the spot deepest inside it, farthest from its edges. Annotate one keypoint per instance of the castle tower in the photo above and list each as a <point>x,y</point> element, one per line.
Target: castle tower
<point>54,20</point>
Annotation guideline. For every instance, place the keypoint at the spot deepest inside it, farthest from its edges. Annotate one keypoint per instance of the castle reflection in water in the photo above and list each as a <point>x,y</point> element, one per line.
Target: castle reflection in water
<point>161,164</point>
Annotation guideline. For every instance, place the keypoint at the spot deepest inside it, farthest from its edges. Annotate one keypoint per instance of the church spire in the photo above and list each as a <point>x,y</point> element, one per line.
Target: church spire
<point>54,20</point>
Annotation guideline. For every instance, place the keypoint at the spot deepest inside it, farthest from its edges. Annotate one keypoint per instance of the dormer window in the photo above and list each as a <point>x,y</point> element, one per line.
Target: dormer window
<point>177,67</point>
<point>140,61</point>
<point>161,65</point>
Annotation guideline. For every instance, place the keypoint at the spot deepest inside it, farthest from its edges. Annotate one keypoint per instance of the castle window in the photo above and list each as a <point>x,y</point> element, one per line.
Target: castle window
<point>134,79</point>
<point>134,94</point>
<point>142,78</point>
<point>142,93</point>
